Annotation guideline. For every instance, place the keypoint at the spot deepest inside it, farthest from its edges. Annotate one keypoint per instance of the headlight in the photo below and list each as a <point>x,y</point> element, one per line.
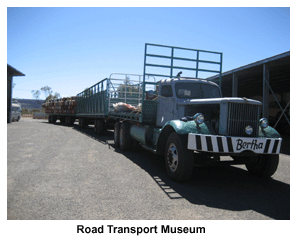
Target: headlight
<point>248,130</point>
<point>199,118</point>
<point>264,123</point>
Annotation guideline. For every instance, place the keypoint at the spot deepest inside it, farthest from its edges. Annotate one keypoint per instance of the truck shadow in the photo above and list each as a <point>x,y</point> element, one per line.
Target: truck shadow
<point>230,188</point>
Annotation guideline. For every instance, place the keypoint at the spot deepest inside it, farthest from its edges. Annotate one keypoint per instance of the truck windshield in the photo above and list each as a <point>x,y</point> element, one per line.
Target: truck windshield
<point>196,91</point>
<point>16,108</point>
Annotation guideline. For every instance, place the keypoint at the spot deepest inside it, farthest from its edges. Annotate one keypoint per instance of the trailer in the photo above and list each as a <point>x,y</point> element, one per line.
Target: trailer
<point>185,119</point>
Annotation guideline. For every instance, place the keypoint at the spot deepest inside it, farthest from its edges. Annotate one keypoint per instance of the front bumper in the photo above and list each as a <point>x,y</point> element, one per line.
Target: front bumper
<point>223,144</point>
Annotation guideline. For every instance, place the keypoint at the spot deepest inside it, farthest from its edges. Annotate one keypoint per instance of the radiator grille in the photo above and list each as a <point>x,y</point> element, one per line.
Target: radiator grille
<point>241,115</point>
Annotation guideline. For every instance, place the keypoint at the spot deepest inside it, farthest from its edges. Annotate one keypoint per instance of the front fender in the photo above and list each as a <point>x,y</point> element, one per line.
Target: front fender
<point>181,128</point>
<point>269,132</point>
<point>185,127</point>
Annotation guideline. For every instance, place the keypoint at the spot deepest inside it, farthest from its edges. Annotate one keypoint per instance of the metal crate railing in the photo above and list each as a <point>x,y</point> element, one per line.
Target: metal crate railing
<point>172,59</point>
<point>93,99</point>
<point>125,88</point>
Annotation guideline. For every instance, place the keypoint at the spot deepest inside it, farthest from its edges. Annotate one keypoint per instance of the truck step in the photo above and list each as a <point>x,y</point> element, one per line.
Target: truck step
<point>148,148</point>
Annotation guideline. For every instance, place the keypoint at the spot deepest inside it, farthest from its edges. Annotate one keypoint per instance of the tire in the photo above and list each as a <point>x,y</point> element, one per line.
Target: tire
<point>82,122</point>
<point>71,121</point>
<point>125,140</point>
<point>63,120</point>
<point>99,127</point>
<point>178,159</point>
<point>263,165</point>
<point>67,121</point>
<point>50,119</point>
<point>117,133</point>
<point>54,119</point>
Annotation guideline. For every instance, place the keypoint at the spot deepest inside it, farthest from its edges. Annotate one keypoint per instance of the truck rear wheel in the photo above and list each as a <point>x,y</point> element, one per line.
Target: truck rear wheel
<point>263,165</point>
<point>117,133</point>
<point>178,159</point>
<point>125,139</point>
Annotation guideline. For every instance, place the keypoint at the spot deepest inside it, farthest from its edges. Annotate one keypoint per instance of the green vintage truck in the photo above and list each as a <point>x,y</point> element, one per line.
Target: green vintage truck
<point>186,119</point>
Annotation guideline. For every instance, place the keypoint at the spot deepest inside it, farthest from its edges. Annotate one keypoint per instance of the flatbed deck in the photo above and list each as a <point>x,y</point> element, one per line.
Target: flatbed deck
<point>126,115</point>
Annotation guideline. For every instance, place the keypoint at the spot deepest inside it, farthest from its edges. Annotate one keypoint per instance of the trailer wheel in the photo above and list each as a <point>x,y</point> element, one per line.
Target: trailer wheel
<point>82,122</point>
<point>263,165</point>
<point>54,119</point>
<point>63,120</point>
<point>117,133</point>
<point>178,159</point>
<point>125,139</point>
<point>99,127</point>
<point>71,121</point>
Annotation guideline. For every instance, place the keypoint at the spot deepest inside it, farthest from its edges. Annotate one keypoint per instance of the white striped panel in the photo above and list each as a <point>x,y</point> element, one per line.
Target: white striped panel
<point>278,147</point>
<point>204,143</point>
<point>225,144</point>
<point>192,143</point>
<point>271,145</point>
<point>214,143</point>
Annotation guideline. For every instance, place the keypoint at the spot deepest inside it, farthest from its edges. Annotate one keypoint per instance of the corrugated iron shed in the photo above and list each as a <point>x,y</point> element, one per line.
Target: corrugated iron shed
<point>13,72</point>
<point>250,77</point>
<point>267,80</point>
<point>10,73</point>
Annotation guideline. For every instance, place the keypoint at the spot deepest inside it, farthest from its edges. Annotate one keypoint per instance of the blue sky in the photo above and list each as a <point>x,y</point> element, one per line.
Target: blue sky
<point>70,49</point>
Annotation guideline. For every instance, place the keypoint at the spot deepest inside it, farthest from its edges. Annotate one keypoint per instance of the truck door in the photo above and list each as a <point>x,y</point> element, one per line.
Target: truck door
<point>165,107</point>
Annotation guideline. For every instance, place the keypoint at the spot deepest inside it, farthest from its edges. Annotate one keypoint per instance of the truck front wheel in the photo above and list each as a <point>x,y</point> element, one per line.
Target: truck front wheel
<point>263,165</point>
<point>178,159</point>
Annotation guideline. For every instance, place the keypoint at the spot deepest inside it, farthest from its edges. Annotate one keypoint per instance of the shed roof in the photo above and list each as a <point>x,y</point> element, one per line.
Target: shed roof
<point>14,72</point>
<point>250,77</point>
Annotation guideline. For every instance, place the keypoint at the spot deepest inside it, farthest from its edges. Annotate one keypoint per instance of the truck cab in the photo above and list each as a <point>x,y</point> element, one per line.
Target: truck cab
<point>183,98</point>
<point>179,97</point>
<point>198,126</point>
<point>15,111</point>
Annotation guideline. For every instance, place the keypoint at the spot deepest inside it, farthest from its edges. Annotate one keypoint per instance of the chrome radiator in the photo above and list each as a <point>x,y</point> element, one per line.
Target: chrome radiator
<point>241,115</point>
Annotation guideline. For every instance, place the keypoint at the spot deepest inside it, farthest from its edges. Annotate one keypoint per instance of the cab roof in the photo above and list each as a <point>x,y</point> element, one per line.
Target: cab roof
<point>186,79</point>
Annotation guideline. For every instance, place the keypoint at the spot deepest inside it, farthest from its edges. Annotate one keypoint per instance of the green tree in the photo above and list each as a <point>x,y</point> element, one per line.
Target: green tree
<point>25,111</point>
<point>129,90</point>
<point>48,93</point>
